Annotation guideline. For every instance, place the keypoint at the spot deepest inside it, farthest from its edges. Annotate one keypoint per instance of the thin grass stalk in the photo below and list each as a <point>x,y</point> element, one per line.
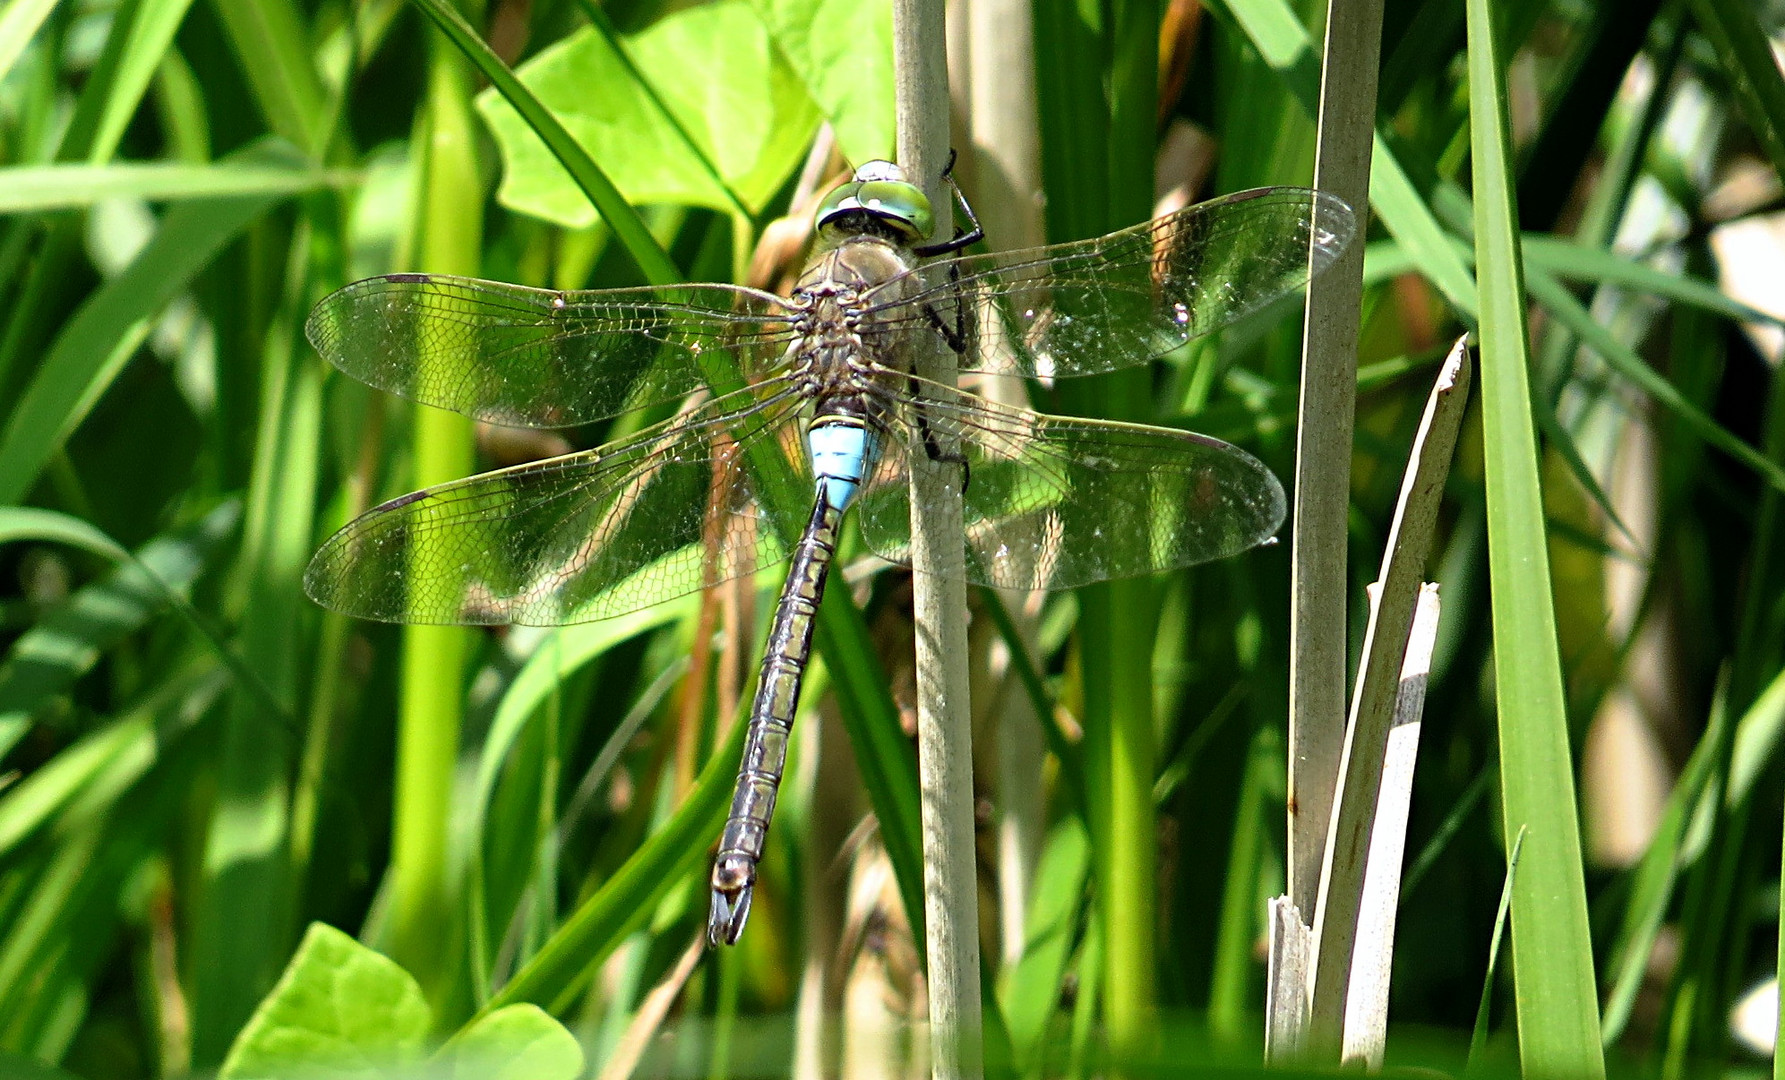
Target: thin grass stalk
<point>1006,161</point>
<point>629,228</point>
<point>140,35</point>
<point>1232,1011</point>
<point>329,675</point>
<point>1735,32</point>
<point>18,25</point>
<point>1118,637</point>
<point>450,222</point>
<point>1393,605</point>
<point>249,900</point>
<point>1366,1004</point>
<point>938,555</point>
<point>1558,1013</point>
<point>1324,418</point>
<point>272,41</point>
<point>252,874</point>
<point>1713,921</point>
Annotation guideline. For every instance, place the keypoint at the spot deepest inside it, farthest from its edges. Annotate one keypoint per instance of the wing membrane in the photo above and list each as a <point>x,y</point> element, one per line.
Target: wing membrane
<point>572,539</point>
<point>1098,305</point>
<point>538,358</point>
<point>1055,502</point>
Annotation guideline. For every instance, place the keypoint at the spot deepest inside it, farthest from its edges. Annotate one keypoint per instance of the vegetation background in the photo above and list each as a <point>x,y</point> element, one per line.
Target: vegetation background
<point>199,764</point>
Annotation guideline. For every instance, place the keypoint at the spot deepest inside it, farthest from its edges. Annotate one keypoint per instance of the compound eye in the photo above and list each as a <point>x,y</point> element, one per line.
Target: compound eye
<point>840,199</point>
<point>899,202</point>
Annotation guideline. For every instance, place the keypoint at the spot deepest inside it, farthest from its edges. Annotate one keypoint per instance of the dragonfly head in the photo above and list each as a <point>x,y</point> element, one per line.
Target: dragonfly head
<point>879,201</point>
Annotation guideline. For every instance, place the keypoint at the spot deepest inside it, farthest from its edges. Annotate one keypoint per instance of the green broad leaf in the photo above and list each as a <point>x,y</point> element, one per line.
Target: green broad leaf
<point>746,111</point>
<point>340,1010</point>
<point>518,1042</point>
<point>842,51</point>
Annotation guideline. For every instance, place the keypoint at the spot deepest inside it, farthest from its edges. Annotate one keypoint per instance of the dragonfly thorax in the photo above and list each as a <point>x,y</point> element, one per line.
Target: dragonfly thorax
<point>839,297</point>
<point>853,268</point>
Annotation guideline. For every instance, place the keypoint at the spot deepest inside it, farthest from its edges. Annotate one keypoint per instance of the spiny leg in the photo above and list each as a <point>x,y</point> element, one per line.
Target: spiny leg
<point>956,338</point>
<point>962,237</point>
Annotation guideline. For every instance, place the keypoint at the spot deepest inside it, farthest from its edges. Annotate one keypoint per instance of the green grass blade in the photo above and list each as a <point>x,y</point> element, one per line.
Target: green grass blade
<point>883,754</point>
<point>47,658</point>
<point>677,850</point>
<point>449,225</point>
<point>78,786</point>
<point>534,690</point>
<point>1030,991</point>
<point>30,523</point>
<point>1653,882</point>
<point>248,912</point>
<point>141,39</point>
<point>1624,360</point>
<point>615,210</point>
<point>1274,29</point>
<point>1741,44</point>
<point>1572,261</point>
<point>1118,619</point>
<point>1072,765</point>
<point>18,25</point>
<point>272,41</point>
<point>141,33</point>
<point>65,187</point>
<point>1478,1038</point>
<point>94,344</point>
<point>1558,1013</point>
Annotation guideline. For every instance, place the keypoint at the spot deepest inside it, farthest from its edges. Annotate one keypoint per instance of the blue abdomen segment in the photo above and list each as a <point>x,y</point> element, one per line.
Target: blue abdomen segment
<point>842,450</point>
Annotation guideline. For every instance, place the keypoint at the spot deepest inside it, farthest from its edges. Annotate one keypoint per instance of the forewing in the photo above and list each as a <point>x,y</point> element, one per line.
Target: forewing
<point>1099,305</point>
<point>572,539</point>
<point>528,357</point>
<point>1053,502</point>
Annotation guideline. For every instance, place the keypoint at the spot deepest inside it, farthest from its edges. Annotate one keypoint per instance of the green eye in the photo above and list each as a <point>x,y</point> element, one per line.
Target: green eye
<point>840,199</point>
<point>897,201</point>
<point>894,201</point>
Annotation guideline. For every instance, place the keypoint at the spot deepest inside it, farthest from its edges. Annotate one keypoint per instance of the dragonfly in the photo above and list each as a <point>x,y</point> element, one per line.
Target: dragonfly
<point>787,411</point>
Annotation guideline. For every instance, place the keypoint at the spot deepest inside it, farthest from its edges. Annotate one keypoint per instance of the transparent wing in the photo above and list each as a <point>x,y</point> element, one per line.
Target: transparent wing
<point>537,358</point>
<point>1122,299</point>
<point>572,539</point>
<point>1054,502</point>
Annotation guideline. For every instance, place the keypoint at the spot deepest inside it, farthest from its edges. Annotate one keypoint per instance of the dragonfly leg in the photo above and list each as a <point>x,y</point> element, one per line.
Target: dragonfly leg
<point>962,237</point>
<point>932,448</point>
<point>956,337</point>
